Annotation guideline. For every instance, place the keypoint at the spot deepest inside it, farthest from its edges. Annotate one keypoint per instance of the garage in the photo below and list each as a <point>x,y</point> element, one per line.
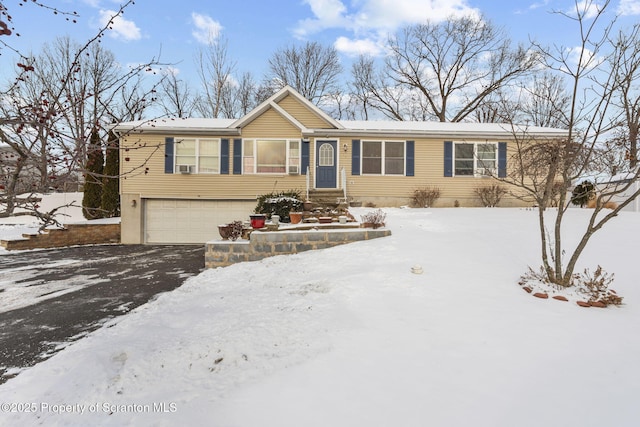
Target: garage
<point>178,221</point>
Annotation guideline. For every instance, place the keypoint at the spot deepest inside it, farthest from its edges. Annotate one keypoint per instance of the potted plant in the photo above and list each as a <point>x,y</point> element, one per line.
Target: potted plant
<point>307,205</point>
<point>225,231</point>
<point>280,203</point>
<point>231,231</point>
<point>295,217</point>
<point>258,220</point>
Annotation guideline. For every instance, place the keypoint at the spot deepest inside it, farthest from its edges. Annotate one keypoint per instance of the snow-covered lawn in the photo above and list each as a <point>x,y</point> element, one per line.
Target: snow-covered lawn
<point>350,337</point>
<point>14,227</point>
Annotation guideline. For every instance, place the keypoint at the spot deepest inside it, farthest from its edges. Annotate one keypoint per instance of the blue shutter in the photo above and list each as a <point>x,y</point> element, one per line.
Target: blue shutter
<point>304,156</point>
<point>502,159</point>
<point>448,158</point>
<point>224,156</point>
<point>237,156</point>
<point>168,155</point>
<point>355,157</point>
<point>410,159</point>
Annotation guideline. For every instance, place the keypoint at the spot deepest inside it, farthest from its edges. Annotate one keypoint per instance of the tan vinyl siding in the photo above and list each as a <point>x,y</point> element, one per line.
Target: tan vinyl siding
<point>429,172</point>
<point>271,125</point>
<point>305,116</point>
<point>148,150</point>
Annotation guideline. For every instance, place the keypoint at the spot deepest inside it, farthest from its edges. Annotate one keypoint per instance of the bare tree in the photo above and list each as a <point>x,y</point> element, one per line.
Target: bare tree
<point>177,99</point>
<point>628,91</point>
<point>545,169</point>
<point>376,91</point>
<point>246,94</point>
<point>311,69</point>
<point>452,66</point>
<point>215,69</point>
<point>55,101</point>
<point>545,102</point>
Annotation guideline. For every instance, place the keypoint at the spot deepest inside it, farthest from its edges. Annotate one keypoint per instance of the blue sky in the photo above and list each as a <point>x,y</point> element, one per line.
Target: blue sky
<point>254,29</point>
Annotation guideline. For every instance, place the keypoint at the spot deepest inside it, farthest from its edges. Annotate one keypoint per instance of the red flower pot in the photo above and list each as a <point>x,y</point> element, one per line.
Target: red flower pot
<point>257,221</point>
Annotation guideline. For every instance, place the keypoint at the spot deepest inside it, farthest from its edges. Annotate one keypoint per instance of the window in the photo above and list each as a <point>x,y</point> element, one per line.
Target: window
<point>383,157</point>
<point>475,159</point>
<point>325,157</point>
<point>248,158</point>
<point>294,156</point>
<point>271,156</point>
<point>200,155</point>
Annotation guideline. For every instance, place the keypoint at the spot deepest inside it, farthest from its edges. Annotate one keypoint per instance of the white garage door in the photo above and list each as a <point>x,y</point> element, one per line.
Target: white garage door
<point>190,221</point>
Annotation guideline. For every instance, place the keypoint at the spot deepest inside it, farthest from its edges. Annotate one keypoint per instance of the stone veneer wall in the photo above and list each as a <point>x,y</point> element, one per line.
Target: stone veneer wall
<point>263,244</point>
<point>71,235</point>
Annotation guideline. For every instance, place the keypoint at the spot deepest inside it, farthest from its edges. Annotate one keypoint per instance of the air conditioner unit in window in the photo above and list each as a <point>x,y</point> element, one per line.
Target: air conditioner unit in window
<point>294,170</point>
<point>185,169</point>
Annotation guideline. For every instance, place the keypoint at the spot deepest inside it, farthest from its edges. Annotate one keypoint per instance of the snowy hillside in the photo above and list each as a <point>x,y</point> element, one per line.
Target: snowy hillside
<point>350,337</point>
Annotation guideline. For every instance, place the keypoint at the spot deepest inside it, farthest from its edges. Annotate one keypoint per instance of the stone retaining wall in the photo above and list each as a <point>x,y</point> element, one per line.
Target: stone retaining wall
<point>266,244</point>
<point>71,235</point>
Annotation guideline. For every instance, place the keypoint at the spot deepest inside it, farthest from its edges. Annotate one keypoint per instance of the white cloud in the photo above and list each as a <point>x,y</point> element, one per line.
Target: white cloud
<point>589,59</point>
<point>629,7</point>
<point>586,8</point>
<point>372,20</point>
<point>206,28</point>
<point>378,15</point>
<point>352,47</point>
<point>121,28</point>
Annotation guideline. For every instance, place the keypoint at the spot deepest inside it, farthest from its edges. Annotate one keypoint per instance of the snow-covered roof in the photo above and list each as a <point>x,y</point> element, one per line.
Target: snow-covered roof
<point>178,125</point>
<point>349,127</point>
<point>336,128</point>
<point>432,128</point>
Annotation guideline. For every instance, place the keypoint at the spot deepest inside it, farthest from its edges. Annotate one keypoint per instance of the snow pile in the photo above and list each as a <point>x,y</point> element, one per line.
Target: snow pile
<point>349,336</point>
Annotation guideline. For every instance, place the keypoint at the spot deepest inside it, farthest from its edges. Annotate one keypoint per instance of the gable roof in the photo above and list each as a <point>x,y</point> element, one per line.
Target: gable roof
<point>336,128</point>
<point>273,101</point>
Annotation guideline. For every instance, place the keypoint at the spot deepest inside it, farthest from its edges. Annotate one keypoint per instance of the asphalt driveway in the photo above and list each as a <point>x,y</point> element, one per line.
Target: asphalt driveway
<point>50,298</point>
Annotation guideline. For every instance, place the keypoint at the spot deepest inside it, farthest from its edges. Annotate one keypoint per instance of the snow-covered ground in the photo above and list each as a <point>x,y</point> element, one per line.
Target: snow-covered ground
<point>14,227</point>
<point>348,336</point>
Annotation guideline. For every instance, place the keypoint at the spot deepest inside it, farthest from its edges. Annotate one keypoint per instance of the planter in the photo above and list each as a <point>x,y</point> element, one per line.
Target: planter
<point>257,221</point>
<point>296,217</point>
<point>307,205</point>
<point>225,231</point>
<point>325,220</point>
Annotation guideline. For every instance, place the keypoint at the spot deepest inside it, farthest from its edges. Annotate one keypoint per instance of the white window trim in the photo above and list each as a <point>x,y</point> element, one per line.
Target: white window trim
<point>476,161</point>
<point>288,156</point>
<point>383,157</point>
<point>196,166</point>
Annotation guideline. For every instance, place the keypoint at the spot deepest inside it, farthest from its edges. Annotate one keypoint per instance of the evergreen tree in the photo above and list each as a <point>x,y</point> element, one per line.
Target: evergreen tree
<point>111,187</point>
<point>92,197</point>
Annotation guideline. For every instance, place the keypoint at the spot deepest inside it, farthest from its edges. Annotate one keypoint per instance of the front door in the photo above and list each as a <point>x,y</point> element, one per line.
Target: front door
<point>326,168</point>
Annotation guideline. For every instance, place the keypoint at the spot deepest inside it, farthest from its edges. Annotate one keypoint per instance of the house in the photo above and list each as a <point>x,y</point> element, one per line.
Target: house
<point>183,177</point>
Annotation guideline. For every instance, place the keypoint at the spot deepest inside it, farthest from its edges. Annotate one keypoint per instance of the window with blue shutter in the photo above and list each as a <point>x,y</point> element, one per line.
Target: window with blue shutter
<point>502,159</point>
<point>410,158</point>
<point>224,156</point>
<point>448,158</point>
<point>355,157</point>
<point>304,159</point>
<point>168,155</point>
<point>237,156</point>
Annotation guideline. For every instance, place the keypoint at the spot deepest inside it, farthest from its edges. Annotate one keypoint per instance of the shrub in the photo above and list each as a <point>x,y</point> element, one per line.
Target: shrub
<point>375,218</point>
<point>490,195</point>
<point>596,287</point>
<point>582,193</point>
<point>280,203</point>
<point>236,230</point>
<point>425,197</point>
